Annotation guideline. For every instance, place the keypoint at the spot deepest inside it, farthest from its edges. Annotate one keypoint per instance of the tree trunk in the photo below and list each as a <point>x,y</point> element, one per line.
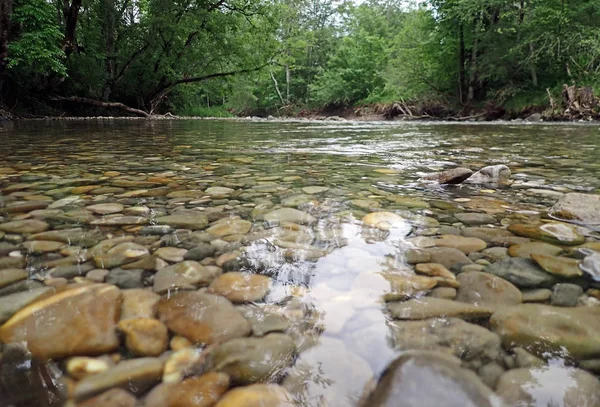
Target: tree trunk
<point>473,68</point>
<point>71,13</point>
<point>461,64</point>
<point>6,7</point>
<point>98,103</point>
<point>111,59</point>
<point>534,78</point>
<point>287,83</point>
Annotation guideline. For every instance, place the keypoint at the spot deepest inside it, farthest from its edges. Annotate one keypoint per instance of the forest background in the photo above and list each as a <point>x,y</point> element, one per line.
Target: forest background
<point>438,58</point>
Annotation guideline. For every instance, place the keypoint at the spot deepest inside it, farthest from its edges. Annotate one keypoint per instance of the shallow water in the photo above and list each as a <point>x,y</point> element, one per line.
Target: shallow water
<point>327,278</point>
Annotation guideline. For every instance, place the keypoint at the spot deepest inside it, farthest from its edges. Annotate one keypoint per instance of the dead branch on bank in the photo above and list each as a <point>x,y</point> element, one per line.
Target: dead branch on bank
<point>98,103</point>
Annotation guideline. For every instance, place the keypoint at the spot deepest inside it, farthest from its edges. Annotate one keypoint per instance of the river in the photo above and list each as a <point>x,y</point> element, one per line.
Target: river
<point>184,262</point>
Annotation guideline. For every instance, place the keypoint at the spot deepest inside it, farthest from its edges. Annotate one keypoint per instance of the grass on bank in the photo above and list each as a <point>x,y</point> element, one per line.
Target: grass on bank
<point>203,111</point>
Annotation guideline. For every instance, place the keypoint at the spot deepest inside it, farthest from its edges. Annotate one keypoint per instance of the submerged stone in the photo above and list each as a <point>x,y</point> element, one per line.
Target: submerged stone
<point>579,208</point>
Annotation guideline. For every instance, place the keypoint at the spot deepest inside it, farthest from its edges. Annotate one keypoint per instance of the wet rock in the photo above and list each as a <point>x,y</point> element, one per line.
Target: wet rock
<point>447,293</point>
<point>97,275</point>
<point>41,246</point>
<point>451,335</point>
<point>495,253</point>
<point>79,367</point>
<point>24,206</point>
<point>525,250</point>
<point>20,286</point>
<point>202,318</point>
<point>226,227</point>
<point>11,304</point>
<point>27,381</point>
<point>500,237</point>
<point>313,190</point>
<point>185,275</point>
<point>403,286</point>
<point>577,207</point>
<point>24,226</point>
<point>201,391</point>
<point>112,398</point>
<point>218,192</point>
<point>120,221</point>
<point>490,373</point>
<point>565,295</point>
<point>536,295</point>
<point>106,209</point>
<point>434,270</point>
<point>524,273</point>
<point>415,256</point>
<point>200,252</point>
<point>526,359</point>
<point>486,289</point>
<point>447,256</point>
<point>555,233</point>
<point>172,254</point>
<point>53,327</point>
<point>492,174</point>
<point>429,379</point>
<point>188,220</point>
<point>12,275</point>
<point>471,218</point>
<point>252,360</point>
<point>549,386</point>
<point>126,278</point>
<point>156,230</point>
<point>241,287</point>
<point>452,176</point>
<point>558,266</point>
<point>120,254</point>
<point>70,270</point>
<point>328,374</point>
<point>256,395</point>
<point>135,375</point>
<point>75,236</point>
<point>138,303</point>
<point>429,307</point>
<point>547,331</point>
<point>464,244</point>
<point>289,215</point>
<point>145,336</point>
<point>591,265</point>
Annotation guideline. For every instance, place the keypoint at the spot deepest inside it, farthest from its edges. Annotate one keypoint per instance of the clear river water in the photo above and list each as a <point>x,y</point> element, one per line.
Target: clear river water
<point>239,263</point>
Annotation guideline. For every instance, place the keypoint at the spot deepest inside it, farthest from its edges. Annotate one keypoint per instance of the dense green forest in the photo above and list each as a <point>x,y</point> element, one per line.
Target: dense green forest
<point>284,56</point>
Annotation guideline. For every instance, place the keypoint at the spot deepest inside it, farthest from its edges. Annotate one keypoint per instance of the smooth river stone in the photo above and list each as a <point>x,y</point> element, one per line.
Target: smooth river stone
<point>186,220</point>
<point>492,174</point>
<point>253,360</point>
<point>256,395</point>
<point>447,256</point>
<point>386,221</point>
<point>226,227</point>
<point>314,190</point>
<point>500,237</point>
<point>200,391</point>
<point>464,244</point>
<point>218,192</point>
<point>407,286</point>
<point>430,307</point>
<point>75,236</point>
<point>289,215</point>
<point>106,209</point>
<point>135,375</point>
<point>186,275</point>
<point>452,176</point>
<point>486,289</point>
<point>54,327</point>
<point>577,207</point>
<point>42,246</point>
<point>418,379</point>
<point>525,250</point>
<point>241,287</point>
<point>120,221</point>
<point>12,275</point>
<point>473,218</point>
<point>24,206</point>
<point>120,254</point>
<point>145,336</point>
<point>11,304</point>
<point>139,303</point>
<point>172,254</point>
<point>452,335</point>
<point>562,386</point>
<point>559,266</point>
<point>556,233</point>
<point>523,273</point>
<point>113,397</point>
<point>548,331</point>
<point>434,270</point>
<point>202,318</point>
<point>24,226</point>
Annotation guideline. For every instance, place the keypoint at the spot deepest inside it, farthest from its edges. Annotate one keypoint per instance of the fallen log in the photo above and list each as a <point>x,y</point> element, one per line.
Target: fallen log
<point>99,103</point>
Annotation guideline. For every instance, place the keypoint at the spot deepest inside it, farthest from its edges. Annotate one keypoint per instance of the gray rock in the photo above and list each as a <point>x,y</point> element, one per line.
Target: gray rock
<point>471,218</point>
<point>492,174</point>
<point>490,373</point>
<point>536,295</point>
<point>156,230</point>
<point>125,278</point>
<point>534,117</point>
<point>200,252</point>
<point>289,215</point>
<point>565,295</point>
<point>499,237</point>
<point>252,360</point>
<point>452,176</point>
<point>547,331</point>
<point>429,379</point>
<point>577,207</point>
<point>71,270</point>
<point>23,285</point>
<point>12,275</point>
<point>452,335</point>
<point>430,307</point>
<point>487,289</point>
<point>521,272</point>
<point>447,256</point>
<point>189,220</point>
<point>549,386</point>
<point>11,304</point>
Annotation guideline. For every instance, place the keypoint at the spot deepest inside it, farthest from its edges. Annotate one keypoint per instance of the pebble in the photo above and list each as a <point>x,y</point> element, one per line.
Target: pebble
<point>145,336</point>
<point>565,295</point>
<point>241,287</point>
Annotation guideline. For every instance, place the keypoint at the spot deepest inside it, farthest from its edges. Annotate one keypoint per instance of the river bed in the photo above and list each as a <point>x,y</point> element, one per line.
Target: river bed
<point>201,263</point>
